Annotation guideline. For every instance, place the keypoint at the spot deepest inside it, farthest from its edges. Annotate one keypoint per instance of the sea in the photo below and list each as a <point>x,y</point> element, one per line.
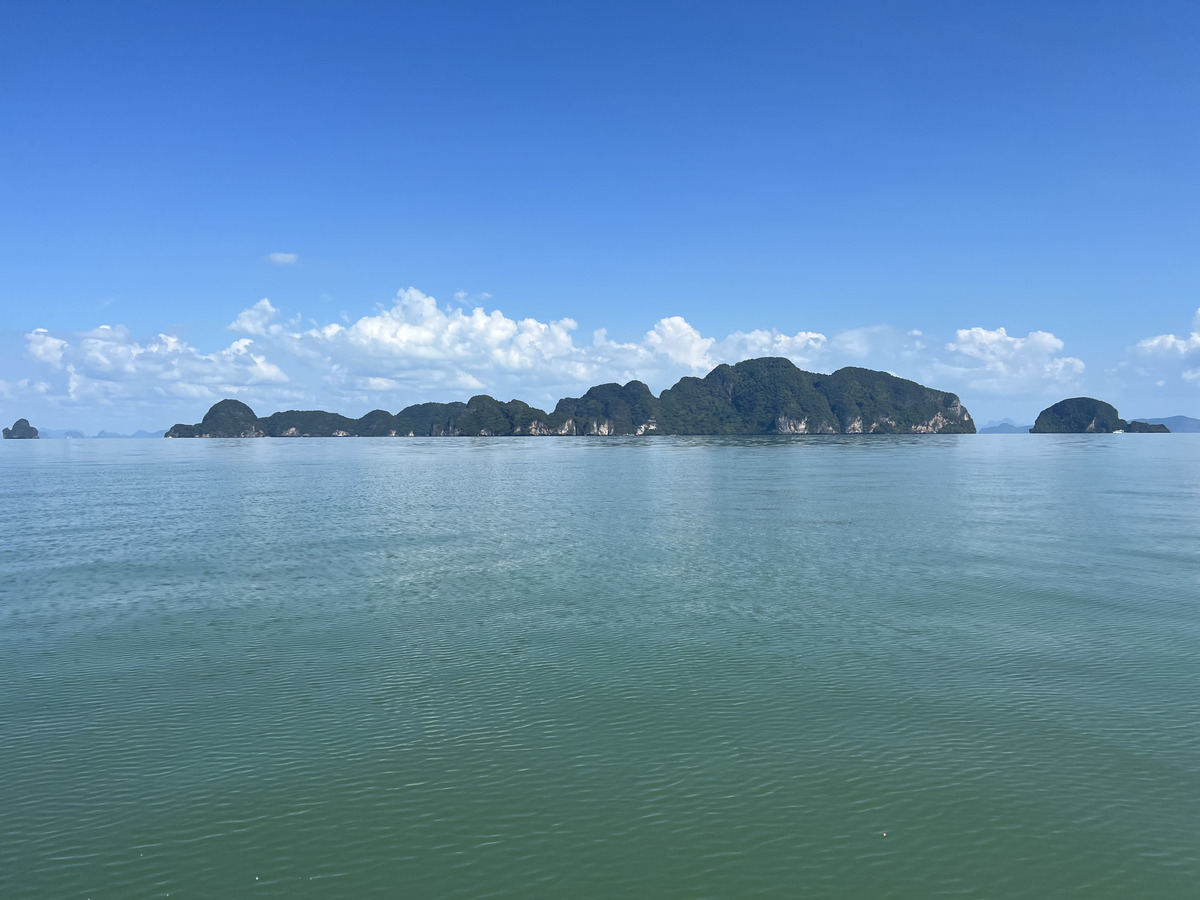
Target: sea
<point>845,666</point>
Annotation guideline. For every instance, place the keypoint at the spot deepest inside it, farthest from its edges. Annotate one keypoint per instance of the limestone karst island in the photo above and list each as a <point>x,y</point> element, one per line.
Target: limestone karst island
<point>1085,415</point>
<point>757,396</point>
<point>21,430</point>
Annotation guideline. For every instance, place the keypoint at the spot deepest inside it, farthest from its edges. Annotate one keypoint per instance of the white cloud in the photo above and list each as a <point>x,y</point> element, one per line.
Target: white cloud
<point>994,361</point>
<point>414,350</point>
<point>17,390</point>
<point>43,347</point>
<point>255,320</point>
<point>283,259</point>
<point>680,343</point>
<point>1170,345</point>
<point>107,364</point>
<point>1166,361</point>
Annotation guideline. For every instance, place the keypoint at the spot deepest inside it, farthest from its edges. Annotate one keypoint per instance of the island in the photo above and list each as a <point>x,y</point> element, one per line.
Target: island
<point>757,396</point>
<point>21,430</point>
<point>1005,428</point>
<point>227,418</point>
<point>1086,415</point>
<point>1176,424</point>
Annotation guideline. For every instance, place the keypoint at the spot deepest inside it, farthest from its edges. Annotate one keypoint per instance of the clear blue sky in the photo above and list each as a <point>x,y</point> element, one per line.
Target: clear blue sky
<point>304,204</point>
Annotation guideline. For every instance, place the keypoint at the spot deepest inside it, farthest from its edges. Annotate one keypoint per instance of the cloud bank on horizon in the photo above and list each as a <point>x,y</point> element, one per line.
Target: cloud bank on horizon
<point>415,350</point>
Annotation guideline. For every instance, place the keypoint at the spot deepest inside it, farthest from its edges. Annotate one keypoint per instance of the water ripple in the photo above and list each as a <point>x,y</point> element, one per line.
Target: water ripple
<point>679,668</point>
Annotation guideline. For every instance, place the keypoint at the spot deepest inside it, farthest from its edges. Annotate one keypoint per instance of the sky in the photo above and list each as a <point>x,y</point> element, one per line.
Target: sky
<point>360,205</point>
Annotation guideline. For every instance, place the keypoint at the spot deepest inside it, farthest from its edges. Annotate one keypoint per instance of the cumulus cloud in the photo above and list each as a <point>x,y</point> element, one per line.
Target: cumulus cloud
<point>414,349</point>
<point>108,364</point>
<point>415,328</point>
<point>255,320</point>
<point>283,259</point>
<point>993,360</point>
<point>44,347</point>
<point>1170,345</point>
<point>1167,361</point>
<point>803,347</point>
<point>679,342</point>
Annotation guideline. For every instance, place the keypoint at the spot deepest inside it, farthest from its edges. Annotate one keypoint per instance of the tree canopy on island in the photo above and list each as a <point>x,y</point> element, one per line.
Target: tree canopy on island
<point>1086,415</point>
<point>21,430</point>
<point>757,396</point>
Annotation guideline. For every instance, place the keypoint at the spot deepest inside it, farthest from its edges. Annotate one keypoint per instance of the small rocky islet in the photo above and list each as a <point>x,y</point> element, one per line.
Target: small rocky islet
<point>758,396</point>
<point>21,430</point>
<point>1086,415</point>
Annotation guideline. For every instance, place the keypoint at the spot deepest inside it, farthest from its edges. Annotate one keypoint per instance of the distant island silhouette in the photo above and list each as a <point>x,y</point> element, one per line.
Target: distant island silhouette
<point>770,395</point>
<point>21,430</point>
<point>1176,424</point>
<point>1005,428</point>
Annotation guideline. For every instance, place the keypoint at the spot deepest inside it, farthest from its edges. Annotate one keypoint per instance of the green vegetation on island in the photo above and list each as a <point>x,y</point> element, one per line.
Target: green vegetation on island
<point>608,409</point>
<point>21,430</point>
<point>1086,415</point>
<point>757,396</point>
<point>226,418</point>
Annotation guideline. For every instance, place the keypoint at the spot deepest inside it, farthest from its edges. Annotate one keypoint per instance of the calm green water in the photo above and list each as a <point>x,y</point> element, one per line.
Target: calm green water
<point>601,668</point>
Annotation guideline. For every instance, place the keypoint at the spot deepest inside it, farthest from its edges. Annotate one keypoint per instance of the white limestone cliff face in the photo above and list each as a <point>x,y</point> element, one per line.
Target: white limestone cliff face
<point>878,424</point>
<point>957,416</point>
<point>933,426</point>
<point>788,425</point>
<point>251,432</point>
<point>590,428</point>
<point>953,415</point>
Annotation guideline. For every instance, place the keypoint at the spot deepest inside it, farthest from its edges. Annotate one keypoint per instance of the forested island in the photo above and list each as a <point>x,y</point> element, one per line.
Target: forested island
<point>21,430</point>
<point>1086,415</point>
<point>758,396</point>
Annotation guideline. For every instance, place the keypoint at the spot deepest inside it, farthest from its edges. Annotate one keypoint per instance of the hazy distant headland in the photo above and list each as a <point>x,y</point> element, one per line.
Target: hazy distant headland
<point>758,396</point>
<point>1007,427</point>
<point>1176,424</point>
